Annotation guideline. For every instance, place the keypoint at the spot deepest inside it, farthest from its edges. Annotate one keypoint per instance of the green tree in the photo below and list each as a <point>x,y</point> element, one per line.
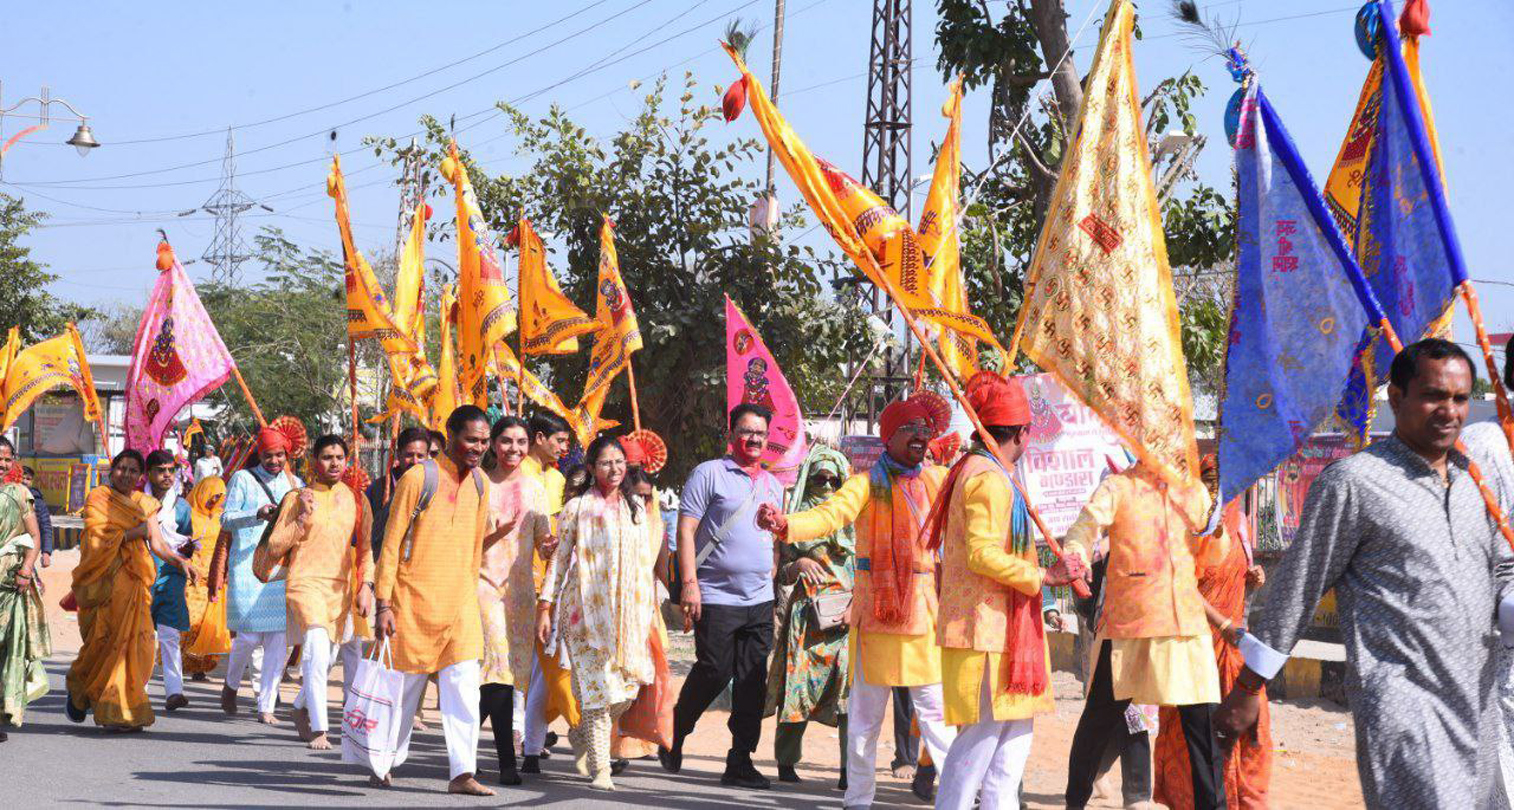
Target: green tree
<point>24,280</point>
<point>680,206</point>
<point>1009,53</point>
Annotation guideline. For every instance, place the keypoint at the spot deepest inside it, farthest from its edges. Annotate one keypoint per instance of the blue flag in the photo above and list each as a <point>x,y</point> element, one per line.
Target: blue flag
<point>1298,309</point>
<point>1406,244</point>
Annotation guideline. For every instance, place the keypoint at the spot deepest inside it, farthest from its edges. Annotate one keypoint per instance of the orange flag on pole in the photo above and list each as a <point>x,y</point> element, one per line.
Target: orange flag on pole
<point>445,399</point>
<point>1099,309</point>
<point>413,380</point>
<point>368,313</point>
<point>619,334</point>
<point>485,312</point>
<point>54,363</point>
<point>549,321</point>
<point>7,356</point>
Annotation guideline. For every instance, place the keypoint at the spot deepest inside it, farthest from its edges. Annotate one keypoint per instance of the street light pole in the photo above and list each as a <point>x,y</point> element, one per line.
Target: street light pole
<point>83,139</point>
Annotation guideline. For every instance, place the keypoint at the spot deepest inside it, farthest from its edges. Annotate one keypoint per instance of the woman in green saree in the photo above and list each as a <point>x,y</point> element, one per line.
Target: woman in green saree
<point>24,640</point>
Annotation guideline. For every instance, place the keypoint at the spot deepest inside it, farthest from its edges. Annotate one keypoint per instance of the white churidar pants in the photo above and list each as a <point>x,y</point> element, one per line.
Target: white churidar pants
<point>866,708</point>
<point>457,689</point>
<point>990,754</point>
<point>173,664</point>
<point>315,671</point>
<point>534,729</point>
<point>271,644</point>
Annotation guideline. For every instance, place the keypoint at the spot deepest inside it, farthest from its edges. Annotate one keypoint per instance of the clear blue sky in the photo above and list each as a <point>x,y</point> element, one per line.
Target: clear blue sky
<point>160,69</point>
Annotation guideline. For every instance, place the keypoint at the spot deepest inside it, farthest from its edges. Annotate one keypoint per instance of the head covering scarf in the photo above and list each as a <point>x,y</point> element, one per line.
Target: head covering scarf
<point>271,439</point>
<point>820,459</point>
<point>206,502</point>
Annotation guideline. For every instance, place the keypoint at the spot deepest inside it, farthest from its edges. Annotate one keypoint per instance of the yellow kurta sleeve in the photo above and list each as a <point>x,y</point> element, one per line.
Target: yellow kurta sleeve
<point>988,506</point>
<point>480,518</point>
<point>406,492</point>
<point>1097,515</point>
<point>838,511</point>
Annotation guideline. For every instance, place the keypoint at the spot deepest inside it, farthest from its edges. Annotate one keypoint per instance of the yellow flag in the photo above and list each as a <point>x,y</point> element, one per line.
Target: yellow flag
<point>54,363</point>
<point>510,368</point>
<point>412,378</point>
<point>368,313</point>
<point>940,249</point>
<point>619,334</point>
<point>1099,308</point>
<point>868,230</point>
<point>549,321</point>
<point>7,355</point>
<point>584,419</point>
<point>445,399</point>
<point>485,313</point>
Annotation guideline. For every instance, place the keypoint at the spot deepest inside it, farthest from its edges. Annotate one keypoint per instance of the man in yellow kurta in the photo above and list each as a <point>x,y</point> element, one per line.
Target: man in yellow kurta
<point>329,592</point>
<point>995,670</point>
<point>427,589</point>
<point>893,613</point>
<point>550,693</point>
<point>1152,638</point>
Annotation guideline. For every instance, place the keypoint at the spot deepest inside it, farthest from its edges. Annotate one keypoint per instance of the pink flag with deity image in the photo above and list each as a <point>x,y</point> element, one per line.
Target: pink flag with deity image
<point>177,358</point>
<point>752,376</point>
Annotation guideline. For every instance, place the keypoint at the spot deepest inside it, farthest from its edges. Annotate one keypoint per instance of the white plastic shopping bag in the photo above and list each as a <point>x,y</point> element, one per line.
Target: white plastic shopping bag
<point>374,711</point>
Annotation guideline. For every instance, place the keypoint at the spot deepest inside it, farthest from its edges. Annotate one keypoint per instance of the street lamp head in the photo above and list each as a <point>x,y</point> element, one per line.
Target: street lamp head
<point>83,140</point>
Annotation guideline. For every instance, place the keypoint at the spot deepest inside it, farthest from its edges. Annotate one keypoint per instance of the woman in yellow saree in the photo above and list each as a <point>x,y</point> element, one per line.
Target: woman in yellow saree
<point>113,588</point>
<point>207,639</point>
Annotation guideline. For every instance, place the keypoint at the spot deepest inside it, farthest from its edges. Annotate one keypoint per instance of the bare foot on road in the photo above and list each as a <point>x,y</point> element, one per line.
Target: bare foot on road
<point>319,742</point>
<point>380,781</point>
<point>267,718</point>
<point>302,725</point>
<point>468,786</point>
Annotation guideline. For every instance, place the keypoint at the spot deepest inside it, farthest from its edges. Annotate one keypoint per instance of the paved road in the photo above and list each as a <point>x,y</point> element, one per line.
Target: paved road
<point>196,757</point>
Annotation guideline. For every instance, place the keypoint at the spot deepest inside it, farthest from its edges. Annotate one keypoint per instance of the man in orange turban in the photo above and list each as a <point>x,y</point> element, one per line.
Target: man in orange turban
<point>893,599</point>
<point>996,673</point>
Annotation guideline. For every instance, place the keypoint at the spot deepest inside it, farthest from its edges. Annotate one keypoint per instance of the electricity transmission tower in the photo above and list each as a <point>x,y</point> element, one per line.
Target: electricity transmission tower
<point>227,251</point>
<point>886,169</point>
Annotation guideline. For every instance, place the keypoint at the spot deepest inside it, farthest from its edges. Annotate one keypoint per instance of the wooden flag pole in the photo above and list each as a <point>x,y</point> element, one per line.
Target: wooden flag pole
<point>251,403</point>
<point>1500,394</point>
<point>635,407</point>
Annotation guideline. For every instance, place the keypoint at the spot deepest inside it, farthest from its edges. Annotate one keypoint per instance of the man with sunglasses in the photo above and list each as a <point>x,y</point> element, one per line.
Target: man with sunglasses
<point>894,597</point>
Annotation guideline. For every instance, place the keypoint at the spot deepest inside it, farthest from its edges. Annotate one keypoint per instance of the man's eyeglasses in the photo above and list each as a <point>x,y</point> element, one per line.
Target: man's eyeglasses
<point>751,434</point>
<point>915,429</point>
<point>825,481</point>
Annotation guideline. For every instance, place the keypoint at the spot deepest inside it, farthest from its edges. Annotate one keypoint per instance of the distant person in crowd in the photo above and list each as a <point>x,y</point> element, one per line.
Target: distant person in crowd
<point>207,464</point>
<point>208,637</point>
<point>550,693</point>
<point>170,609</point>
<point>44,515</point>
<point>411,448</point>
<point>438,442</point>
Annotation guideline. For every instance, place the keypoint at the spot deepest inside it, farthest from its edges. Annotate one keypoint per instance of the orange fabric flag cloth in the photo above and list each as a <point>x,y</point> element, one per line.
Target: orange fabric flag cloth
<point>368,313</point>
<point>619,333</point>
<point>54,363</point>
<point>549,321</point>
<point>485,312</point>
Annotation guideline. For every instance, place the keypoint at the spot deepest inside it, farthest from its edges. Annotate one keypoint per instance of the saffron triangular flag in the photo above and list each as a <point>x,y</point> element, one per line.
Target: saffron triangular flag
<point>54,363</point>
<point>549,321</point>
<point>753,377</point>
<point>1099,309</point>
<point>447,396</point>
<point>1296,316</point>
<point>368,312</point>
<point>178,357</point>
<point>485,312</point>
<point>619,334</point>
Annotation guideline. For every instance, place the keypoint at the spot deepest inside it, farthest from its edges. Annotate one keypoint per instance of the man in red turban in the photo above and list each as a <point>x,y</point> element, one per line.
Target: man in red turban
<point>995,671</point>
<point>893,597</point>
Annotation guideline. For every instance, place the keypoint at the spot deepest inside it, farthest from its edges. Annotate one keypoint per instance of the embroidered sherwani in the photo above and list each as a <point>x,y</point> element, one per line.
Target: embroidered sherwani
<point>891,654</point>
<point>1160,651</point>
<point>1418,570</point>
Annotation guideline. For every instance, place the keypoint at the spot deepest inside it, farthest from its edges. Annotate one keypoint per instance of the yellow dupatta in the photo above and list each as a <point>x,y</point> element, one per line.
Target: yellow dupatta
<point>208,636</point>
<point>108,516</point>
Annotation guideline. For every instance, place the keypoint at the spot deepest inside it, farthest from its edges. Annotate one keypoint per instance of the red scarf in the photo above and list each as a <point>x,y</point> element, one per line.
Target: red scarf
<point>1024,662</point>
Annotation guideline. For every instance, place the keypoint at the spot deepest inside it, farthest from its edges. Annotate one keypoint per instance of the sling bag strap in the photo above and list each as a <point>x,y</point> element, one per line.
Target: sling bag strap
<point>729,524</point>
<point>429,482</point>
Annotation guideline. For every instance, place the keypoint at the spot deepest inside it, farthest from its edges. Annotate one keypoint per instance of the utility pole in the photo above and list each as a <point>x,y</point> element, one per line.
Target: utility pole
<point>227,251</point>
<point>777,69</point>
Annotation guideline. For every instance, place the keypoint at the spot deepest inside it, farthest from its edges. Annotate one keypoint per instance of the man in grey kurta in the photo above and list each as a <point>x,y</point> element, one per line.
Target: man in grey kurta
<point>1400,531</point>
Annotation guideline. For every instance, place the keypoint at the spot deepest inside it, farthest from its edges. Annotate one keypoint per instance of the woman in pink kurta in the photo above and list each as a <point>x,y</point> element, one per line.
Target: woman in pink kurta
<point>506,589</point>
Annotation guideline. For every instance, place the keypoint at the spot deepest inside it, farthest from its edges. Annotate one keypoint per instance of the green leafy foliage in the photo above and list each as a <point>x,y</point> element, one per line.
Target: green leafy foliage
<point>24,299</point>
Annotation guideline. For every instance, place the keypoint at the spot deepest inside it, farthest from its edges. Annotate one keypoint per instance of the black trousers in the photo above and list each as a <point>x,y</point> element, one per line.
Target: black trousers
<point>906,744</point>
<point>731,645</point>
<point>1103,726</point>
<point>496,701</point>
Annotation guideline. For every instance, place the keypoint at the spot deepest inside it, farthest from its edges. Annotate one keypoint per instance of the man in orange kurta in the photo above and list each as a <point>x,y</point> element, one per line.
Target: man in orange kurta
<point>893,613</point>
<point>427,589</point>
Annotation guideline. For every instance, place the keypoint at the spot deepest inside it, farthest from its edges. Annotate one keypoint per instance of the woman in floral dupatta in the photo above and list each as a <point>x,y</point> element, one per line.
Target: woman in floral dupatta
<point>807,677</point>
<point>599,595</point>
<point>113,588</point>
<point>24,639</point>
<point>207,639</point>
